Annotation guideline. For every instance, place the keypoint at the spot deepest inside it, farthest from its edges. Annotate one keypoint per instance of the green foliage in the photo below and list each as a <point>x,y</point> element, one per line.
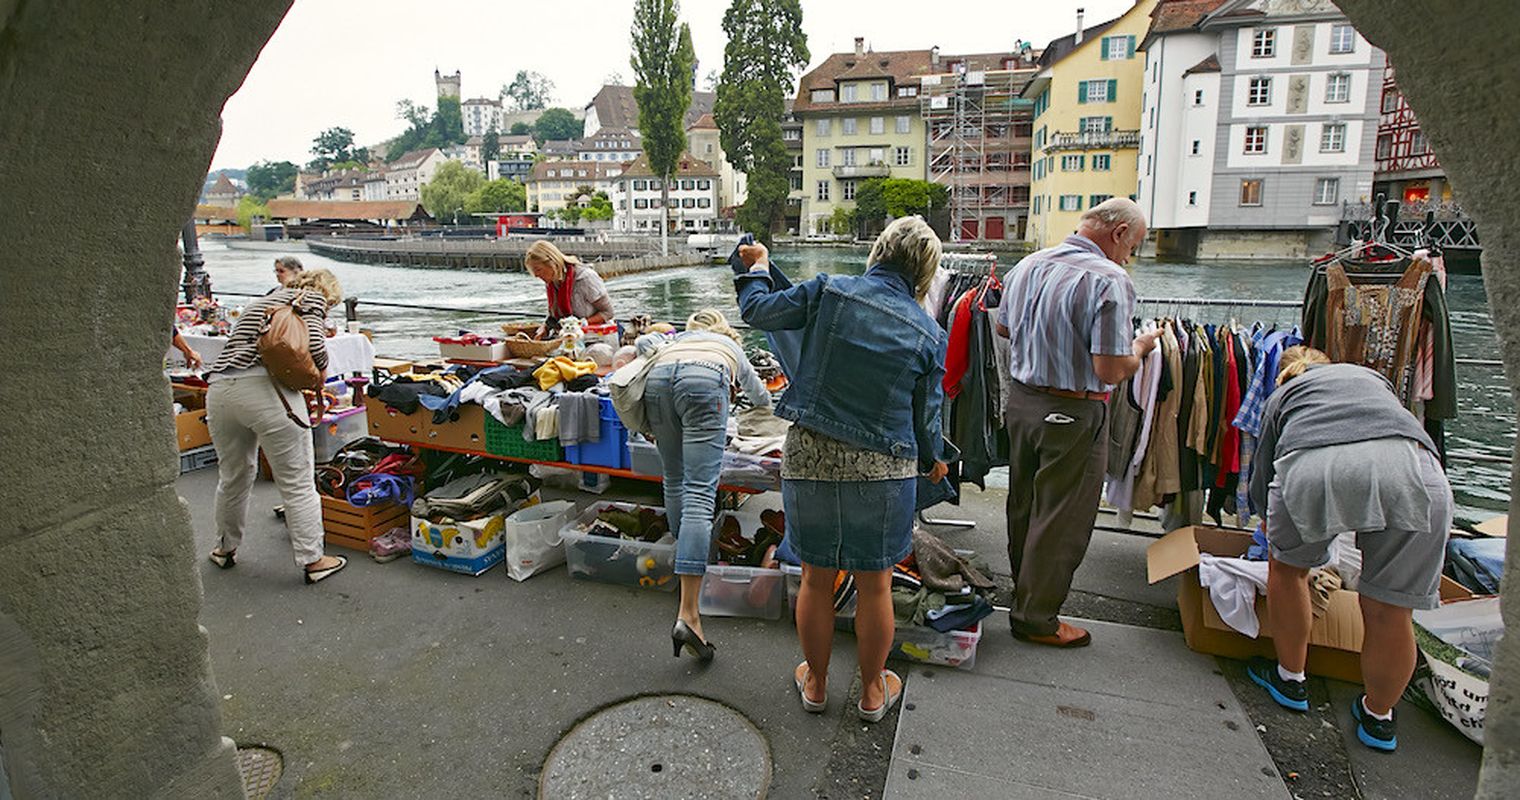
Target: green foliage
<point>880,199</point>
<point>662,63</point>
<point>528,91</point>
<point>441,128</point>
<point>557,123</point>
<point>503,194</point>
<point>270,179</point>
<point>334,145</point>
<point>249,207</point>
<point>599,209</point>
<point>451,186</point>
<point>490,145</point>
<point>343,165</point>
<point>766,47</point>
<point>843,221</point>
<point>521,129</point>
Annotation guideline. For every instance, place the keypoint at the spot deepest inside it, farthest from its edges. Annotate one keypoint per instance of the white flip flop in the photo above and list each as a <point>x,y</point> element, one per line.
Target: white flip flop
<point>313,576</point>
<point>799,676</point>
<point>889,699</point>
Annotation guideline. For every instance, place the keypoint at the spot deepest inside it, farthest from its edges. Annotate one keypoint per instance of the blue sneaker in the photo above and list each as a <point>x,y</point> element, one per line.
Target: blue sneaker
<point>1379,734</point>
<point>1292,695</point>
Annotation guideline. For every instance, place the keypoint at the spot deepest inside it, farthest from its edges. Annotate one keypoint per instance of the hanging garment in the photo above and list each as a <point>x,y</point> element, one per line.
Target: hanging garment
<point>1158,474</point>
<point>1123,428</point>
<point>1120,490</point>
<point>957,350</point>
<point>1376,325</point>
<point>1190,404</point>
<point>976,428</point>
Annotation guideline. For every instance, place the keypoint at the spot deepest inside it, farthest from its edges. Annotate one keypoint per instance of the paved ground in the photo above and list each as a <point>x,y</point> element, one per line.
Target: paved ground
<point>393,680</point>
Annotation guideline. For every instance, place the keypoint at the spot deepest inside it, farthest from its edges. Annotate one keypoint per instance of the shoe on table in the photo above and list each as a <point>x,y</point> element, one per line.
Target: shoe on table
<point>1292,695</point>
<point>1379,734</point>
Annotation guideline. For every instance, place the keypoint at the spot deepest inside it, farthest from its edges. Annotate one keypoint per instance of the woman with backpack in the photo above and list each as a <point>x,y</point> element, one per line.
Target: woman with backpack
<point>247,409</point>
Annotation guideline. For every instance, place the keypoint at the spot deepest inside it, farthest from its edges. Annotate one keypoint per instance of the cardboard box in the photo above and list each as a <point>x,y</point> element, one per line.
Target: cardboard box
<point>1335,639</point>
<point>190,429</point>
<point>466,433</point>
<point>469,547</point>
<point>350,526</point>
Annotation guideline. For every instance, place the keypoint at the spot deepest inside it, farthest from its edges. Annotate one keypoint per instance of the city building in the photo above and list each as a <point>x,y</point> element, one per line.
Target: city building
<point>519,145</point>
<point>552,184</point>
<point>618,145</point>
<point>693,197</point>
<point>513,166</point>
<point>1087,105</point>
<point>480,114</point>
<point>1405,168</point>
<point>1259,121</point>
<point>704,142</point>
<point>979,130</point>
<point>407,175</point>
<point>558,149</point>
<point>791,136</point>
<point>860,119</point>
<point>374,185</point>
<point>223,192</point>
<point>614,107</point>
<point>342,186</point>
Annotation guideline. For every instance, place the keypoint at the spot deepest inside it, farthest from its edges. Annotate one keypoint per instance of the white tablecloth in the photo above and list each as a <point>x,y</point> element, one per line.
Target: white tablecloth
<point>347,353</point>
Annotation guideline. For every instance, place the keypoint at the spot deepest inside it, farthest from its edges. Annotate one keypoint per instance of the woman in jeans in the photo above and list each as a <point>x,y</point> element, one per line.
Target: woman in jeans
<point>865,408</point>
<point>686,398</point>
<point>247,410</point>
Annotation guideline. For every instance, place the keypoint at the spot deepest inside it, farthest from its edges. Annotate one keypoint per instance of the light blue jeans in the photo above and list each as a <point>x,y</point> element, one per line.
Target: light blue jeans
<point>686,403</point>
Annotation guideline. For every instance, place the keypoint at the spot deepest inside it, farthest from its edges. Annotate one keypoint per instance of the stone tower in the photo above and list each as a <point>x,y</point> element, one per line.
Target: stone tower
<point>448,85</point>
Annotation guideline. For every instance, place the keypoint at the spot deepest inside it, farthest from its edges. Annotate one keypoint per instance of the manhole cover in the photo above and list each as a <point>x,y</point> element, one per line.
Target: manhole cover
<point>665,746</point>
<point>261,768</point>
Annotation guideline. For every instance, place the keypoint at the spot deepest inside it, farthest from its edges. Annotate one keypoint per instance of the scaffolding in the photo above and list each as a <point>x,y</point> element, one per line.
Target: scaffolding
<point>977,143</point>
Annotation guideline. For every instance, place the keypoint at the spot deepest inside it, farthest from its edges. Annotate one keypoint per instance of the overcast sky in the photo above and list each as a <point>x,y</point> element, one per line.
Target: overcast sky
<point>348,62</point>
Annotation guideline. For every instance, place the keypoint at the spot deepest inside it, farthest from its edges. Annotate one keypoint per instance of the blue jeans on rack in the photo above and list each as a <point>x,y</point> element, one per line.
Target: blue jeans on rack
<point>686,403</point>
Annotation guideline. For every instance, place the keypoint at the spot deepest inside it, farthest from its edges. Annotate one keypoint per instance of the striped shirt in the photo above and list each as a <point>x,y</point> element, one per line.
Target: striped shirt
<point>242,350</point>
<point>1063,305</point>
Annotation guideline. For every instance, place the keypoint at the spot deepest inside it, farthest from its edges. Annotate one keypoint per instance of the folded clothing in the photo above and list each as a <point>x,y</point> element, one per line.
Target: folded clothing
<point>580,418</point>
<point>560,369</point>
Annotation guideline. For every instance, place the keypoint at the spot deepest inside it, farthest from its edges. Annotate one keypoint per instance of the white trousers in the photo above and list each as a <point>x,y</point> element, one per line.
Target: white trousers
<point>244,414</point>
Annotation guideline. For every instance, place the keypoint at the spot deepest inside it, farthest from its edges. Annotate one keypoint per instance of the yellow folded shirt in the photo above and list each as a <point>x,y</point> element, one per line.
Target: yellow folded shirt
<point>562,368</point>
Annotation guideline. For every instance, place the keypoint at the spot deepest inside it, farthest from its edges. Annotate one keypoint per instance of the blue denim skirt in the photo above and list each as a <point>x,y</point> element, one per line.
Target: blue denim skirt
<point>860,526</point>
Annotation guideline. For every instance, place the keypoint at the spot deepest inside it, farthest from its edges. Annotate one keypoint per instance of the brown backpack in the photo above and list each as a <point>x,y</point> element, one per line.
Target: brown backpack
<point>285,347</point>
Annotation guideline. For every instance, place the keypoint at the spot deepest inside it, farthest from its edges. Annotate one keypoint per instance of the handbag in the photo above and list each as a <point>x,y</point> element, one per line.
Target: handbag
<point>285,347</point>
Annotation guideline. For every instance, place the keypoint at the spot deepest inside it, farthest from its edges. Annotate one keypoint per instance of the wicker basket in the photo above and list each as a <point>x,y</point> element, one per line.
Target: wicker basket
<point>525,328</point>
<point>523,347</point>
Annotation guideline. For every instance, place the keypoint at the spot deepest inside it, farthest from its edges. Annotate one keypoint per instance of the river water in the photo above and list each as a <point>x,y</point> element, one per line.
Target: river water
<point>1485,426</point>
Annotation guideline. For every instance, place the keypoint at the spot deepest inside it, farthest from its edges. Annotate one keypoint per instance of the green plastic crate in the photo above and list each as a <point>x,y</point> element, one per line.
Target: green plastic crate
<point>502,440</point>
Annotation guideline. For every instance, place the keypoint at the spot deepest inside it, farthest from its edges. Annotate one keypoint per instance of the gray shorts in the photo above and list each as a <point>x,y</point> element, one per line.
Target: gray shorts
<point>1399,567</point>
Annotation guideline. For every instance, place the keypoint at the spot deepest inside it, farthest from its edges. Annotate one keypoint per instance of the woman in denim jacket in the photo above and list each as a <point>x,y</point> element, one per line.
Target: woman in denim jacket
<point>865,407</point>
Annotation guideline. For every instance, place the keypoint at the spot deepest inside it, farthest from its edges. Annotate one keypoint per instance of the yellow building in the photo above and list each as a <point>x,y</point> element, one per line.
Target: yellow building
<point>860,120</point>
<point>1087,105</point>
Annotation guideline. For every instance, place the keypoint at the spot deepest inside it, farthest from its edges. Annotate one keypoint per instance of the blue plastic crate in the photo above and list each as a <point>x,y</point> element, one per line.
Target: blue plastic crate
<point>611,450</point>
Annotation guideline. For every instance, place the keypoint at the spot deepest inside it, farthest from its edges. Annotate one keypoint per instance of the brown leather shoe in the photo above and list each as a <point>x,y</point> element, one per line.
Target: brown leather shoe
<point>1066,636</point>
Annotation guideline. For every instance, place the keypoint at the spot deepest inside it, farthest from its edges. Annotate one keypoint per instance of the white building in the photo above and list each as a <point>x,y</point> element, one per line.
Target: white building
<point>551,184</point>
<point>480,114</point>
<point>704,142</point>
<point>618,145</point>
<point>1259,119</point>
<point>374,185</point>
<point>693,198</point>
<point>407,175</point>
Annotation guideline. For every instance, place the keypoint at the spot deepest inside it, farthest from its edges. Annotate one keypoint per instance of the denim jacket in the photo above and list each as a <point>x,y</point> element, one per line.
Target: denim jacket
<point>871,359</point>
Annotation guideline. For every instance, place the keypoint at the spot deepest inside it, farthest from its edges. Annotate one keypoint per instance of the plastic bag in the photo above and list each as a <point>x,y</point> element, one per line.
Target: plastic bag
<point>532,538</point>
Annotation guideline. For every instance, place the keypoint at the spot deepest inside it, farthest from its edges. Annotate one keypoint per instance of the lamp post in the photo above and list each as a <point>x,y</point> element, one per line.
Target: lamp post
<point>197,282</point>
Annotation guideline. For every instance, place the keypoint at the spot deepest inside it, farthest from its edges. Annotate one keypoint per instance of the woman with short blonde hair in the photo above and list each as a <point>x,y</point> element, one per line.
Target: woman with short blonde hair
<point>574,289</point>
<point>321,280</point>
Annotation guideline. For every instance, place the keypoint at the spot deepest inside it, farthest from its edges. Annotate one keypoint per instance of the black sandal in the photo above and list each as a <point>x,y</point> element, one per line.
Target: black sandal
<point>226,560</point>
<point>315,575</point>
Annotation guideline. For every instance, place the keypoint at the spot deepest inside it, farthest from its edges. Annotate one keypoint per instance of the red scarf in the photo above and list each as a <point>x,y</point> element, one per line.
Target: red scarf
<point>560,306</point>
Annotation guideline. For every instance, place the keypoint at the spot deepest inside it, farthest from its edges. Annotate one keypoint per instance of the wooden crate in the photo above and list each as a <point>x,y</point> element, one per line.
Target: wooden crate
<point>349,526</point>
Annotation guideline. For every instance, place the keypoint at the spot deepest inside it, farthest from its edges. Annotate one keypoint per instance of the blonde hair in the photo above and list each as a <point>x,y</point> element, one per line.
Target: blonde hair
<point>545,252</point>
<point>321,280</point>
<point>712,321</point>
<point>1296,360</point>
<point>910,245</point>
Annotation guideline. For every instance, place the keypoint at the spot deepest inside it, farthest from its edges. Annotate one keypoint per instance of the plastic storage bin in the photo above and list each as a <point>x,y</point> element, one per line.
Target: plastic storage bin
<point>642,565</point>
<point>739,470</point>
<point>928,646</point>
<point>643,458</point>
<point>844,617</point>
<point>734,591</point>
<point>611,450</point>
<point>503,440</point>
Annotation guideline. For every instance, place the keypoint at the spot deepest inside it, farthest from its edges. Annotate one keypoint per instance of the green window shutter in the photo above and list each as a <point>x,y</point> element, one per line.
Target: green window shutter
<point>1113,90</point>
<point>1081,91</point>
<point>1103,53</point>
<point>1131,47</point>
<point>1108,124</point>
<point>1081,163</point>
<point>1079,202</point>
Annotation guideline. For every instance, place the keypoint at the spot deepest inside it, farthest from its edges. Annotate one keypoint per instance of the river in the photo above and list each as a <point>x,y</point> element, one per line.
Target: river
<point>1485,426</point>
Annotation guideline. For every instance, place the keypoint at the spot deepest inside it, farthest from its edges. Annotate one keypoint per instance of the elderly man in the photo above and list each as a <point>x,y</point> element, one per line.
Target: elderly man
<point>1067,312</point>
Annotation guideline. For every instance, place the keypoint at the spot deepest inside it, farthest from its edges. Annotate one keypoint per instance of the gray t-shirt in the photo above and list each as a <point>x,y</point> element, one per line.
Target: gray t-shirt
<point>589,296</point>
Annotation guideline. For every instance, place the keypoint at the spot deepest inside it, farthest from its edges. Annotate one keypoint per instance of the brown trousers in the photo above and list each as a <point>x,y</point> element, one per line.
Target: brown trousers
<point>1057,451</point>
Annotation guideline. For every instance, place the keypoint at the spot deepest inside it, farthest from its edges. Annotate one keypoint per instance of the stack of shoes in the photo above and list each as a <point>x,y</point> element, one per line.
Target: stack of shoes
<point>391,545</point>
<point>737,550</point>
<point>642,525</point>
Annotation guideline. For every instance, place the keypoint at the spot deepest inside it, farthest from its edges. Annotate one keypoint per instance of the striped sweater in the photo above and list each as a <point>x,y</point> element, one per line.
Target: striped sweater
<point>242,350</point>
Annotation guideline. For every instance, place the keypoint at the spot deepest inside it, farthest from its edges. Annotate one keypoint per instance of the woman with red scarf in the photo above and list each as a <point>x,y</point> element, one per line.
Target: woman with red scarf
<point>574,289</point>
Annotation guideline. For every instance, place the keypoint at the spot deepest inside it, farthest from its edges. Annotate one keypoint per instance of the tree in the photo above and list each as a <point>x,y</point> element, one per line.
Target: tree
<point>249,207</point>
<point>557,123</point>
<point>268,180</point>
<point>599,209</point>
<point>445,195</point>
<point>345,165</point>
<point>843,221</point>
<point>441,128</point>
<point>662,63</point>
<point>521,129</point>
<point>502,194</point>
<point>766,47</point>
<point>880,199</point>
<point>529,91</point>
<point>490,145</point>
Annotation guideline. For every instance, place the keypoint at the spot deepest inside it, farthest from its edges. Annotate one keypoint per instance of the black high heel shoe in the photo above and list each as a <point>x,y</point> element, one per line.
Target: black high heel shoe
<point>682,636</point>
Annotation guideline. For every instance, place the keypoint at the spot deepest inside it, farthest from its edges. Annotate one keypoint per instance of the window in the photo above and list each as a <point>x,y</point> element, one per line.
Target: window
<point>822,96</point>
<point>1102,163</point>
<point>640,202</point>
<point>639,186</point>
<point>1327,191</point>
<point>1035,206</point>
<point>796,183</point>
<point>1264,43</point>
<point>848,93</point>
<point>550,173</point>
<point>847,157</point>
<point>688,202</point>
<point>878,125</point>
<point>704,202</point>
<point>1419,145</point>
<point>823,157</point>
<point>792,134</point>
<point>878,156</point>
<point>1260,93</point>
<point>688,184</point>
<point>1097,124</point>
<point>1192,198</point>
<point>1072,163</point>
<point>1391,98</point>
<point>1332,138</point>
<point>823,191</point>
<point>1096,91</point>
<point>1256,140</point>
<point>1338,88</point>
<point>1342,39</point>
<point>1098,198</point>
<point>902,156</point>
<point>704,184</point>
<point>823,126</point>
<point>1118,48</point>
<point>1250,192</point>
<point>878,91</point>
<point>903,122</point>
<point>1384,145</point>
<point>847,190</point>
<point>1196,145</point>
<point>1197,97</point>
<point>1070,202</point>
<point>907,91</point>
